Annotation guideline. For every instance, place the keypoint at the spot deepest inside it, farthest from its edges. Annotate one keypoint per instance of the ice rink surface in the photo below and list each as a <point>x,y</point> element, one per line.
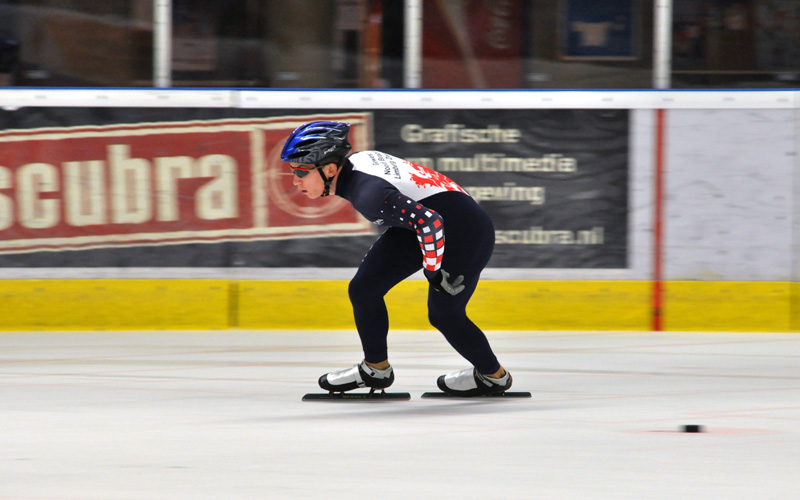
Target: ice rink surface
<point>218,415</point>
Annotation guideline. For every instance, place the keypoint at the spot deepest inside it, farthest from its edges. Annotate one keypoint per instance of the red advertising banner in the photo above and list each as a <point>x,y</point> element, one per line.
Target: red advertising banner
<point>471,44</point>
<point>162,183</point>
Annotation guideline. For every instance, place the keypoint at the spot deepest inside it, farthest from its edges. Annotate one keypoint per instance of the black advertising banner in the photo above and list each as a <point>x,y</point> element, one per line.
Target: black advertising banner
<point>123,187</point>
<point>554,181</point>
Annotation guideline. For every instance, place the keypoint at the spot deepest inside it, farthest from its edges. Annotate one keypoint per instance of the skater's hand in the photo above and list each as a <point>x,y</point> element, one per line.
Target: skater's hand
<point>440,281</point>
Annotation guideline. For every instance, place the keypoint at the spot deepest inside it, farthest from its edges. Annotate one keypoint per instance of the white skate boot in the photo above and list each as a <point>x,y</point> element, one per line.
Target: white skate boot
<point>469,383</point>
<point>360,375</point>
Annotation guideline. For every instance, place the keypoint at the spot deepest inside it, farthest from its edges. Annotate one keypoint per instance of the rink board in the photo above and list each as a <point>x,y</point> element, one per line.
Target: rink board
<point>122,304</point>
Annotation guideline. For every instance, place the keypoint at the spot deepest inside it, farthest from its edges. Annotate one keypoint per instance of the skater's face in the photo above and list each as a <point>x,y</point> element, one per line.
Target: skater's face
<point>309,182</point>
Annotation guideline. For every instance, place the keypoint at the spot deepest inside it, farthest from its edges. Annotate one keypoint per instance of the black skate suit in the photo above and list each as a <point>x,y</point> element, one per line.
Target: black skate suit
<point>433,223</point>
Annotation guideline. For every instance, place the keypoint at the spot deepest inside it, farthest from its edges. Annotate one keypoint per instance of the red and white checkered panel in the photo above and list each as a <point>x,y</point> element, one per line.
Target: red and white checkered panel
<point>425,222</point>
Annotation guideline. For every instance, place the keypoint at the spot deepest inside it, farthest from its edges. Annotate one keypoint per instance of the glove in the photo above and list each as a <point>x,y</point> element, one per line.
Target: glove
<point>440,281</point>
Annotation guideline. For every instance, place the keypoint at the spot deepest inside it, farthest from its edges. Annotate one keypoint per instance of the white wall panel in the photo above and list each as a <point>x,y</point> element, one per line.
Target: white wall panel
<point>796,199</point>
<point>729,194</point>
<point>642,195</point>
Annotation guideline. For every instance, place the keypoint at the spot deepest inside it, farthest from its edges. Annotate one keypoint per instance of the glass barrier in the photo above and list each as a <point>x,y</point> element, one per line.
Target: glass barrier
<point>736,43</point>
<point>543,44</point>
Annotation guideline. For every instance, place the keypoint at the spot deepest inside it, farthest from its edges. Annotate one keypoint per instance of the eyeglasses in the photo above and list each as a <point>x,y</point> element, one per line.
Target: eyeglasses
<point>301,172</point>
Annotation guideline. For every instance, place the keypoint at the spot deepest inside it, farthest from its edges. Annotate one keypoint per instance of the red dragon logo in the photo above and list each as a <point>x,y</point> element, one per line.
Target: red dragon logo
<point>425,177</point>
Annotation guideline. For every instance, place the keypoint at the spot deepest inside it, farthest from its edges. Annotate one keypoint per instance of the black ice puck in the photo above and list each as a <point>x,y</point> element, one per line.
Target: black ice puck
<point>692,428</point>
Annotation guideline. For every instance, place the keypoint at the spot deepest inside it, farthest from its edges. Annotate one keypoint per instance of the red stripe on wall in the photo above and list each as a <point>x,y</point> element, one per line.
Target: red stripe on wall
<point>658,230</point>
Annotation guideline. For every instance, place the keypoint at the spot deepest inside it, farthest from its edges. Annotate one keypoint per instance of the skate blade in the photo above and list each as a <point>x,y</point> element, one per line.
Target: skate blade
<point>507,394</point>
<point>359,396</point>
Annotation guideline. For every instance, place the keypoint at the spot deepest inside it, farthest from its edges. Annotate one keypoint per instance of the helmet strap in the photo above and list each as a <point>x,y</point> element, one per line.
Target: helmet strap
<point>328,181</point>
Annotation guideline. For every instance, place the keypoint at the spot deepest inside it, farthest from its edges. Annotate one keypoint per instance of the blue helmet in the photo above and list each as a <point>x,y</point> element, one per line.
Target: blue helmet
<point>317,143</point>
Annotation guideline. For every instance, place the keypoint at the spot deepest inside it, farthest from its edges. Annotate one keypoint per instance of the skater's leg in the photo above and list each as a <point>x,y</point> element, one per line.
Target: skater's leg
<point>469,242</point>
<point>448,314</point>
<point>394,257</point>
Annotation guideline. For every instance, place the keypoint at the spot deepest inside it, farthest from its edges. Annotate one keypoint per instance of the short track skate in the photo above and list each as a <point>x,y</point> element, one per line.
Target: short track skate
<point>372,395</point>
<point>498,395</point>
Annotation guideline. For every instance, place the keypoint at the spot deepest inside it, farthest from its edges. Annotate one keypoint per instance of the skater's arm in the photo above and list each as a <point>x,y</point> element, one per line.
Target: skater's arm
<point>401,211</point>
<point>380,202</point>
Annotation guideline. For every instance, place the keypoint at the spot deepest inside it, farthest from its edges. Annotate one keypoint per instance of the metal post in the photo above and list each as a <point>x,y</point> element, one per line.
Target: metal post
<point>412,55</point>
<point>662,44</point>
<point>162,43</point>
